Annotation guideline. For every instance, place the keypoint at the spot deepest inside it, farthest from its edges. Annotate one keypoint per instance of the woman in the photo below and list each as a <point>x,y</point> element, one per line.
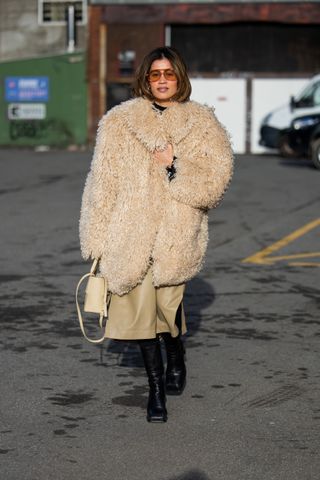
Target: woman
<point>160,162</point>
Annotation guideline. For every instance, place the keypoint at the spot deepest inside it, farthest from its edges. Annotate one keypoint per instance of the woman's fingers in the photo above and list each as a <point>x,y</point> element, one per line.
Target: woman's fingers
<point>164,157</point>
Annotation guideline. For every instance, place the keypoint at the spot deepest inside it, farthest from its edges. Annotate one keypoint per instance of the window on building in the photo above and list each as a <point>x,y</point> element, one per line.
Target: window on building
<point>53,12</point>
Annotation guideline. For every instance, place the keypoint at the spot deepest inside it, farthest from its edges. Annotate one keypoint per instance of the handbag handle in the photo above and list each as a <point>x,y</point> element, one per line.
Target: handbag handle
<point>90,274</point>
<point>94,266</point>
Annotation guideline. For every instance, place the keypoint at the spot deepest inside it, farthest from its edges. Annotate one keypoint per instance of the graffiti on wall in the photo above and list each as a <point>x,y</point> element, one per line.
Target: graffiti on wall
<point>46,130</point>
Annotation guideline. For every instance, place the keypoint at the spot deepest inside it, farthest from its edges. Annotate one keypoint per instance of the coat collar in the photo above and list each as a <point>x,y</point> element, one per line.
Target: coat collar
<point>155,129</point>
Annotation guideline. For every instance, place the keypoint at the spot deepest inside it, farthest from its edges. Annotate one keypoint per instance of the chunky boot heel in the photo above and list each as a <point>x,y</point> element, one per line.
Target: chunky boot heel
<point>151,354</point>
<point>176,370</point>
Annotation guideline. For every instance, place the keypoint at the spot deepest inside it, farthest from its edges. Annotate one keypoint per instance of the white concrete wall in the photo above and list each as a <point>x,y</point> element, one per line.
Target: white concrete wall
<point>228,97</point>
<point>22,37</point>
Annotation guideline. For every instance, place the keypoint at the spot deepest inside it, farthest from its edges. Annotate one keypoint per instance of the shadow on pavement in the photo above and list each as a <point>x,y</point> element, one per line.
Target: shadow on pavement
<point>191,475</point>
<point>199,295</point>
<point>296,162</point>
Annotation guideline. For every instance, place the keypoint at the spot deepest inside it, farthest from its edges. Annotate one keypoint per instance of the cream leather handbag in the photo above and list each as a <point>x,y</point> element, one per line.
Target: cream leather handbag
<point>96,299</point>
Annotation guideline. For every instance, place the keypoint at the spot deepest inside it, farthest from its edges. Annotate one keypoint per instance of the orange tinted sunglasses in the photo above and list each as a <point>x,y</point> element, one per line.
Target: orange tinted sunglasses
<point>155,75</point>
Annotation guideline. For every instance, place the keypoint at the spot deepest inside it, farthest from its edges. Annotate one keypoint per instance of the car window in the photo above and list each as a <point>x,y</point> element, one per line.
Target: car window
<point>316,95</point>
<point>310,97</point>
<point>306,98</point>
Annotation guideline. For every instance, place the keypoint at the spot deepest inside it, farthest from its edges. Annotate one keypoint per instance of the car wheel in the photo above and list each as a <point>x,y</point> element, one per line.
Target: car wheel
<point>284,147</point>
<point>315,153</point>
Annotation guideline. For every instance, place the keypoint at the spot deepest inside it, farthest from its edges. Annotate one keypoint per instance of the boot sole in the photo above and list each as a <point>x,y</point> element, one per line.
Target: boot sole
<point>176,391</point>
<point>156,419</point>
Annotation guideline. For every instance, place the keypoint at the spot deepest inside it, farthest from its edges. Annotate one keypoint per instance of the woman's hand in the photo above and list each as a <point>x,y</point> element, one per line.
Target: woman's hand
<point>164,157</point>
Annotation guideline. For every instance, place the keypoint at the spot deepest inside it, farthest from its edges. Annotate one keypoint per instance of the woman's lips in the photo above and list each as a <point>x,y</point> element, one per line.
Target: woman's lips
<point>162,89</point>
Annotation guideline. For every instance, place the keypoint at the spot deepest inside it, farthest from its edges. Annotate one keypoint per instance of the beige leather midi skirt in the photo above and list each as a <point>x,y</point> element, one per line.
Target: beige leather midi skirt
<point>145,311</point>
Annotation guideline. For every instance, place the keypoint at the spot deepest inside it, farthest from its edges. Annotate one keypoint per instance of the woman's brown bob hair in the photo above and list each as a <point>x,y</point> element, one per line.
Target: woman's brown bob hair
<point>141,84</point>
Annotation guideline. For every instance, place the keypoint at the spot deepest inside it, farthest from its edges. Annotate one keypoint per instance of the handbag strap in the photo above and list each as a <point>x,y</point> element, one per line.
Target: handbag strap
<point>91,273</point>
<point>94,266</point>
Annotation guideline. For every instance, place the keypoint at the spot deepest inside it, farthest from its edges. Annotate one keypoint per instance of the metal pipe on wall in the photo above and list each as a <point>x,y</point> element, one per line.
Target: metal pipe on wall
<point>71,28</point>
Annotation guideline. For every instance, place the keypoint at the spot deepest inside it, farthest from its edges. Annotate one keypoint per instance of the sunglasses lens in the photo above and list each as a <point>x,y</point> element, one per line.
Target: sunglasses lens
<point>170,75</point>
<point>155,75</point>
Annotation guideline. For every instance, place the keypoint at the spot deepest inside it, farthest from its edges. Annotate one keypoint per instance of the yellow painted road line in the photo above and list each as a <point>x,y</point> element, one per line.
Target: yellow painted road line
<point>261,257</point>
<point>304,264</point>
<point>296,255</point>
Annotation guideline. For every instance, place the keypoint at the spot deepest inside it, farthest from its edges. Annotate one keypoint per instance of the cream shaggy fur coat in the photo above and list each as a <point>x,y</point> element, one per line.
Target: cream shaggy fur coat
<point>132,216</point>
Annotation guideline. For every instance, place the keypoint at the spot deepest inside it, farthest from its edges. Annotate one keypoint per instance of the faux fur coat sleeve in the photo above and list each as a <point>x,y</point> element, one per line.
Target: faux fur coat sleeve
<point>203,173</point>
<point>100,193</point>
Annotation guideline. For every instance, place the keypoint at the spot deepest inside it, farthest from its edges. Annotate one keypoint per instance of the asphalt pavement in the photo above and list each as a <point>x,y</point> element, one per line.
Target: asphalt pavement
<point>70,410</point>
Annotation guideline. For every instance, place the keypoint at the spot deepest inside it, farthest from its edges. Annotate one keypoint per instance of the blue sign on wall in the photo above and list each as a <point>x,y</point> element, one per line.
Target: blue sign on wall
<point>26,89</point>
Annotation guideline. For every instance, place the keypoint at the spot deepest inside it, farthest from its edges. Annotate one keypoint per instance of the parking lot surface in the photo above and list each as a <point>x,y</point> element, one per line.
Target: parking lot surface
<point>251,410</point>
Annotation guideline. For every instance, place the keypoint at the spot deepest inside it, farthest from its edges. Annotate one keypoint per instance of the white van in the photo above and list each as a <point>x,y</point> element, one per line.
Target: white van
<point>294,128</point>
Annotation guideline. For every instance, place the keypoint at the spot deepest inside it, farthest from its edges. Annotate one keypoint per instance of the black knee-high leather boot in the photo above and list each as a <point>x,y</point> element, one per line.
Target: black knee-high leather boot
<point>151,353</point>
<point>176,369</point>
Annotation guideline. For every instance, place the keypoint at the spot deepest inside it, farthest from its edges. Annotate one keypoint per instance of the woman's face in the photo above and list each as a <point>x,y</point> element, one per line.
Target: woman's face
<point>164,88</point>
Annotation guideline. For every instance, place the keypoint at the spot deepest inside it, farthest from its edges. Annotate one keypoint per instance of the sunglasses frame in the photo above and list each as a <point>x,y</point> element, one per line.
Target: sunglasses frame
<point>163,72</point>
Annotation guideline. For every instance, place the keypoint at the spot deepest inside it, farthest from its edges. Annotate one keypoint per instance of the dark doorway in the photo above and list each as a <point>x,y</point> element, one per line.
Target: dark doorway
<point>249,47</point>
